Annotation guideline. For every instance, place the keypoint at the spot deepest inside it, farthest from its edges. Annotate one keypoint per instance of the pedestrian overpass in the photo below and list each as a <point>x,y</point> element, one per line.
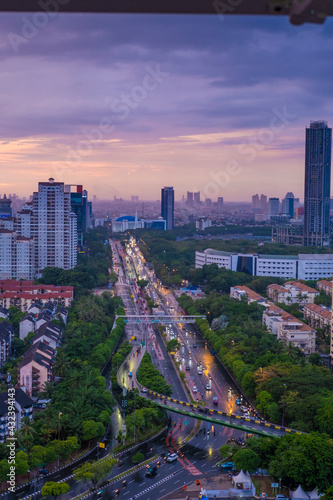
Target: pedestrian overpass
<point>134,319</point>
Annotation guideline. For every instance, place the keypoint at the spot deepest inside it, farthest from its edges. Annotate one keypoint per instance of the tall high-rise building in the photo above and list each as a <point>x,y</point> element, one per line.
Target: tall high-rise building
<point>79,205</point>
<point>263,204</point>
<point>273,206</point>
<point>5,207</point>
<point>168,206</point>
<point>288,205</point>
<point>196,197</point>
<point>255,203</point>
<point>317,185</point>
<point>54,226</point>
<point>220,203</point>
<point>189,198</point>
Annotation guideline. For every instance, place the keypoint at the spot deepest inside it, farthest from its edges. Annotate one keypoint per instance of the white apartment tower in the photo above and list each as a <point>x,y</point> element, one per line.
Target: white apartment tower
<point>54,226</point>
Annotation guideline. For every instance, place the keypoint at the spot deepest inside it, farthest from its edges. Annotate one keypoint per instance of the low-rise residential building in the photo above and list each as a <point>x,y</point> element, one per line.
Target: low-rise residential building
<point>325,286</point>
<point>36,368</point>
<point>6,338</point>
<point>292,292</point>
<point>23,408</point>
<point>289,329</point>
<point>318,316</point>
<point>24,294</point>
<point>27,325</point>
<point>50,334</point>
<point>240,291</point>
<point>4,313</point>
<point>280,323</point>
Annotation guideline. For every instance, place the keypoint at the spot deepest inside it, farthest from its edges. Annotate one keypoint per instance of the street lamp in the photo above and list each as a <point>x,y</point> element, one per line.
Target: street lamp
<point>60,413</point>
<point>284,393</point>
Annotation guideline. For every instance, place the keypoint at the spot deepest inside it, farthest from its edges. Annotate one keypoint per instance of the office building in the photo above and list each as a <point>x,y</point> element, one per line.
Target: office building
<point>317,185</point>
<point>196,198</point>
<point>255,203</point>
<point>263,203</point>
<point>288,205</point>
<point>5,207</point>
<point>189,198</point>
<point>168,206</point>
<point>80,207</point>
<point>273,206</point>
<point>300,267</point>
<point>53,227</point>
<point>208,202</point>
<point>220,204</point>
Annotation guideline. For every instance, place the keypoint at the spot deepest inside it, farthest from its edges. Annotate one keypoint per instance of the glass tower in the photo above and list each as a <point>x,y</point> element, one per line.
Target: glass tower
<point>317,185</point>
<point>168,206</point>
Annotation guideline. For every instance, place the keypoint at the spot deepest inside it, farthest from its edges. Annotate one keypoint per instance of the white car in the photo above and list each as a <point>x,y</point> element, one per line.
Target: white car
<point>195,388</point>
<point>172,457</point>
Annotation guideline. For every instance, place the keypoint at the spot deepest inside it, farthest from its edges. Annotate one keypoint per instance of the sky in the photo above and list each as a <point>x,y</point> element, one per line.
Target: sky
<point>127,104</point>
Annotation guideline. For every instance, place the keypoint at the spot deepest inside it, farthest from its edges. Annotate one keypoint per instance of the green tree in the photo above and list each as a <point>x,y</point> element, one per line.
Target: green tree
<point>54,489</point>
<point>92,430</point>
<point>142,283</point>
<point>225,451</point>
<point>94,472</point>
<point>172,345</point>
<point>138,457</point>
<point>328,494</point>
<point>246,459</point>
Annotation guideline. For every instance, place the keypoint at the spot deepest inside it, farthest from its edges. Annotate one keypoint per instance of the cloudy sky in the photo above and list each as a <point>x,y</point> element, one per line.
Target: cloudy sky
<point>125,104</point>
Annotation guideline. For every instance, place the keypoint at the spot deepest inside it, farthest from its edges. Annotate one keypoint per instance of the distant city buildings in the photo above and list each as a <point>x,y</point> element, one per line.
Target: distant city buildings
<point>168,206</point>
<point>220,204</point>
<point>288,205</point>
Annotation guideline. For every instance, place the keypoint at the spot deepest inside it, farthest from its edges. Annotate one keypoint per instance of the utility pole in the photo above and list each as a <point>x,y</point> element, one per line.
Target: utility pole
<point>134,413</point>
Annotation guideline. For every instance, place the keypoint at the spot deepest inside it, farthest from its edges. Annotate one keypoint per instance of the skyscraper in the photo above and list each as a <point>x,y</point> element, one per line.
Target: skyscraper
<point>263,203</point>
<point>317,185</point>
<point>220,203</point>
<point>273,206</point>
<point>189,198</point>
<point>196,197</point>
<point>168,206</point>
<point>54,226</point>
<point>288,205</point>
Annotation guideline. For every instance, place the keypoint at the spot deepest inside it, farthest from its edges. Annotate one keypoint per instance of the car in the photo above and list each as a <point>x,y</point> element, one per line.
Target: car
<point>199,370</point>
<point>194,345</point>
<point>187,368</point>
<point>228,465</point>
<point>208,387</point>
<point>215,400</point>
<point>238,402</point>
<point>143,389</point>
<point>44,472</point>
<point>130,374</point>
<point>244,409</point>
<point>172,457</point>
<point>151,470</point>
<point>195,389</point>
<point>281,497</point>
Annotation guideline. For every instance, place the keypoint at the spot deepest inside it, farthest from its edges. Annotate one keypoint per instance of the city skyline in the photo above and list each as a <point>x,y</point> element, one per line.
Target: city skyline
<point>182,106</point>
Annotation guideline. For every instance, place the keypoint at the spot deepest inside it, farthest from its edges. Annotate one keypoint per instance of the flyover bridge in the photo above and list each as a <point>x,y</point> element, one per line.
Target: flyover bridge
<point>134,319</point>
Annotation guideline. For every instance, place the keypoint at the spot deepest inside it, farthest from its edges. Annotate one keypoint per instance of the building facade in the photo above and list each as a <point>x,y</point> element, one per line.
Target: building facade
<point>168,206</point>
<point>299,267</point>
<point>53,227</point>
<point>317,184</point>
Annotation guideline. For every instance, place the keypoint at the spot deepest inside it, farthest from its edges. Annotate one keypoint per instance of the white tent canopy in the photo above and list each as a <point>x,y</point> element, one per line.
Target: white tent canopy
<point>243,478</point>
<point>299,494</point>
<point>314,495</point>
